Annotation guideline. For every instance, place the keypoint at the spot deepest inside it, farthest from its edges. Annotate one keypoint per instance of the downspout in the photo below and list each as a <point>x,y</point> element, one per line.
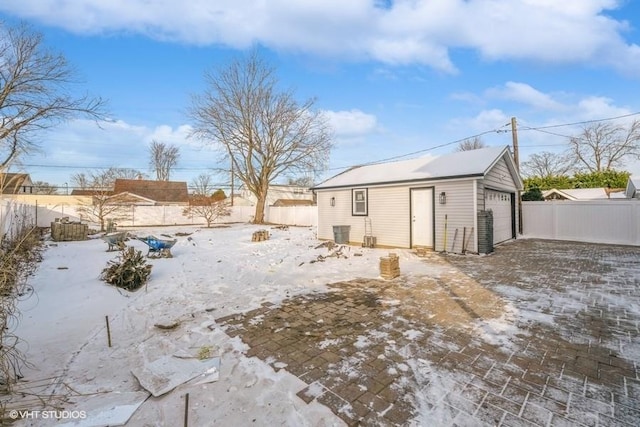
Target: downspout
<point>475,215</point>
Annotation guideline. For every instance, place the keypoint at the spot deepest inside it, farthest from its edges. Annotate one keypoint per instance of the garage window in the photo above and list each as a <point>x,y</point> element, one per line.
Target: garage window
<point>359,202</point>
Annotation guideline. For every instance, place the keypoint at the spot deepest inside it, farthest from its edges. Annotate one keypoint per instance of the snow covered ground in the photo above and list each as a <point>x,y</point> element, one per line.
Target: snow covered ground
<point>214,273</point>
<point>508,307</point>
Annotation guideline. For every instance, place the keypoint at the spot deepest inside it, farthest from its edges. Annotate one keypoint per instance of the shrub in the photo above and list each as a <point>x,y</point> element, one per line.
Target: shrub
<point>130,271</point>
<point>19,255</point>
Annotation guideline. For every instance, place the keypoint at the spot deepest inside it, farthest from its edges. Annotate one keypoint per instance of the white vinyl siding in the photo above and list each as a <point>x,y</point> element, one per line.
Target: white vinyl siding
<point>328,215</point>
<point>459,210</point>
<point>388,212</point>
<point>499,178</point>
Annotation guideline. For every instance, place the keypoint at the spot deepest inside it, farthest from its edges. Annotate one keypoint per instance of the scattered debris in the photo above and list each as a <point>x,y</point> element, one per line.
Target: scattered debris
<point>63,268</point>
<point>205,352</point>
<point>182,234</point>
<point>109,409</point>
<point>421,251</point>
<point>281,227</point>
<point>167,326</point>
<point>260,235</point>
<point>335,254</point>
<point>168,372</point>
<point>329,244</point>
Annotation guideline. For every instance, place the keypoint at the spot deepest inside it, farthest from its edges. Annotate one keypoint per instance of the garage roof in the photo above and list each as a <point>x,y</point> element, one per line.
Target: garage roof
<point>455,165</point>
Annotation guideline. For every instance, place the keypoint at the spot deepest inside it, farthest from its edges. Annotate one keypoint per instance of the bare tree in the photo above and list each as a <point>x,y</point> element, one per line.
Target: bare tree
<point>207,207</point>
<point>80,180</point>
<point>104,204</point>
<point>163,158</point>
<point>203,184</point>
<point>302,181</point>
<point>605,146</point>
<point>547,164</point>
<point>471,144</point>
<point>41,187</point>
<point>103,180</point>
<point>263,131</point>
<point>35,91</point>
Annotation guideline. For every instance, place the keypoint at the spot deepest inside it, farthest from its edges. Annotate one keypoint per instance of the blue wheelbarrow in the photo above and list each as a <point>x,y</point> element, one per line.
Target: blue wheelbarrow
<point>158,248</point>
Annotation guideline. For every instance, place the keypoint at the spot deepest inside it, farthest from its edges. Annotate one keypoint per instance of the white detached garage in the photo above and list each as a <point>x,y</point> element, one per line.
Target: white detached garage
<point>425,202</point>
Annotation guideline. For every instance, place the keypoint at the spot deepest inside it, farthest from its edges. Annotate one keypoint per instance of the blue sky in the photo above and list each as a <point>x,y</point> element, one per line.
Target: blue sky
<point>393,77</point>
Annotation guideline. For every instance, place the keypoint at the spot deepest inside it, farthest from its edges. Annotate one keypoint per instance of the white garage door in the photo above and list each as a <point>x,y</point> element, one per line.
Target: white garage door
<point>500,203</point>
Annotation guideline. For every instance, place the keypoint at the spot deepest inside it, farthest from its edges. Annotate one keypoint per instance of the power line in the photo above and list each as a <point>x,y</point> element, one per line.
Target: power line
<point>584,122</point>
<point>541,129</point>
<point>111,167</point>
<point>424,150</point>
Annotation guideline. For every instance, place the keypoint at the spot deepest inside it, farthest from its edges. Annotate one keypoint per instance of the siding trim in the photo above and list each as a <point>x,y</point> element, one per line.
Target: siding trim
<point>475,214</point>
<point>408,181</point>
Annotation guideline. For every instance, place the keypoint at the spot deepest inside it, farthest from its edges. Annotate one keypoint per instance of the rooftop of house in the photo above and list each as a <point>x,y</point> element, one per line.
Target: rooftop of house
<point>160,191</point>
<point>11,182</point>
<point>462,163</point>
<point>584,193</point>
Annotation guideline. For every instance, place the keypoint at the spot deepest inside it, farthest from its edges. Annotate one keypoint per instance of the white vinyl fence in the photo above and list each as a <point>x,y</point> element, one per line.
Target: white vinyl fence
<point>606,221</point>
<point>135,216</point>
<point>13,217</point>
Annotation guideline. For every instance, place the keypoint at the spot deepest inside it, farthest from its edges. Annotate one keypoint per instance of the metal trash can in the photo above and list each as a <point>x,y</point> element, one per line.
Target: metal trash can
<point>341,234</point>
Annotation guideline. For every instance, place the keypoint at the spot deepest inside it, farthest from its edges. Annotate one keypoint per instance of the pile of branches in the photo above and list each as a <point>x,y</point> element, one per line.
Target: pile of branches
<point>129,271</point>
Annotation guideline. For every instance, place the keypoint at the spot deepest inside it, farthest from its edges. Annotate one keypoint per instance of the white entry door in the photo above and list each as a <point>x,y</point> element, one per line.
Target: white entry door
<point>422,217</point>
<point>500,203</point>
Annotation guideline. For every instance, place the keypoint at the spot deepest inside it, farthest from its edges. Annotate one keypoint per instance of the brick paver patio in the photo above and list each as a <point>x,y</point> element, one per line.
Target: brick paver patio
<point>538,333</point>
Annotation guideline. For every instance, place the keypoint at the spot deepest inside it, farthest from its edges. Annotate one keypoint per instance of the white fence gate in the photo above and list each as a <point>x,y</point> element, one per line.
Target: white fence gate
<point>605,221</point>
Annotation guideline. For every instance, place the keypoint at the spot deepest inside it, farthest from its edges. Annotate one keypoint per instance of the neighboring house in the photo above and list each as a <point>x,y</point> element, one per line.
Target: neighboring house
<point>583,194</point>
<point>633,188</point>
<point>238,200</point>
<point>279,191</point>
<point>148,192</point>
<point>16,183</point>
<point>410,203</point>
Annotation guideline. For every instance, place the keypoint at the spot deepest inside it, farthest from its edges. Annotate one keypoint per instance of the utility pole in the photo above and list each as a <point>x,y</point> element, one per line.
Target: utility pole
<point>516,158</point>
<point>514,136</point>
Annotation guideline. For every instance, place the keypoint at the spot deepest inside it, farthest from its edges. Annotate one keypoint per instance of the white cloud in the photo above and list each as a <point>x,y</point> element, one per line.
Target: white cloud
<point>597,107</point>
<point>487,120</point>
<point>405,32</point>
<point>352,123</point>
<point>527,95</point>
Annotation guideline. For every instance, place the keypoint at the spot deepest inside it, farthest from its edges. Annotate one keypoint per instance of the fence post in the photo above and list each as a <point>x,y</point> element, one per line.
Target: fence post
<point>554,219</point>
<point>635,213</point>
